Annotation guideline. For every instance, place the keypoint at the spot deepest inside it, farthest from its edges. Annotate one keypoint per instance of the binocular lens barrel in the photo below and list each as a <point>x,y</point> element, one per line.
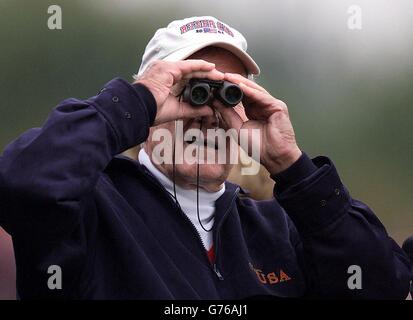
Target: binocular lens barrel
<point>199,91</point>
<point>230,94</point>
<point>200,94</point>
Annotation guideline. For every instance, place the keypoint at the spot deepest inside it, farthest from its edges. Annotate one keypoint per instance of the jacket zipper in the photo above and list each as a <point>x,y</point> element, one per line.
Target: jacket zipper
<point>216,244</point>
<point>198,236</point>
<point>214,266</point>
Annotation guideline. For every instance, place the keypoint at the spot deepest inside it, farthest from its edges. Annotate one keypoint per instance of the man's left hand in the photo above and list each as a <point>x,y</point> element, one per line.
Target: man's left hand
<point>279,149</point>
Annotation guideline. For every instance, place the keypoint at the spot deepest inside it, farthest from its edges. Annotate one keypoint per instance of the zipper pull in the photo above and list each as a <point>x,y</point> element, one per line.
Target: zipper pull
<point>219,275</point>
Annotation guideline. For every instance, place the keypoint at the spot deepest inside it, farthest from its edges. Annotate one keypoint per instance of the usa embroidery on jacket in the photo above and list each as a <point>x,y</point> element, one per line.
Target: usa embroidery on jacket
<point>272,277</point>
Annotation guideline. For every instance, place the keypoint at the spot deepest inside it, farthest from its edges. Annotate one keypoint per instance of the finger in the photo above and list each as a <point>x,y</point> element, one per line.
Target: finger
<point>230,117</point>
<point>179,69</point>
<point>189,111</point>
<point>195,69</point>
<point>238,79</point>
<point>192,65</point>
<point>212,75</point>
<point>263,97</point>
<point>260,105</point>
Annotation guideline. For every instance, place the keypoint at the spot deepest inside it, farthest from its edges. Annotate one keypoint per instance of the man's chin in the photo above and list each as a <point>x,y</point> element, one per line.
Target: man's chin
<point>208,173</point>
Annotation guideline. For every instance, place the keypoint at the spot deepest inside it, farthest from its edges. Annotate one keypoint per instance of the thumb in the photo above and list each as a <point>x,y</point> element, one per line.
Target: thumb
<point>231,118</point>
<point>189,111</point>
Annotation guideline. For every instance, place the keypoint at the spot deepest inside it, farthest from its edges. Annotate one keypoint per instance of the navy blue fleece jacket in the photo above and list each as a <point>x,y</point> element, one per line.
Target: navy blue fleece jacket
<point>68,199</point>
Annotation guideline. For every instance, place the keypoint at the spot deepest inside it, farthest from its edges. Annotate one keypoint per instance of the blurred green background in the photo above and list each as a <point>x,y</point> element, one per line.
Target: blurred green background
<point>349,92</point>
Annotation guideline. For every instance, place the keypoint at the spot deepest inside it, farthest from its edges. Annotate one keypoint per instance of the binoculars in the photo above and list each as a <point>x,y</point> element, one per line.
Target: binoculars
<point>199,92</point>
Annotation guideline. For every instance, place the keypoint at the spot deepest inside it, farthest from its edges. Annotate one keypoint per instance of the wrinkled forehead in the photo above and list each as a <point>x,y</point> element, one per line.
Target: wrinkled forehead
<point>224,60</point>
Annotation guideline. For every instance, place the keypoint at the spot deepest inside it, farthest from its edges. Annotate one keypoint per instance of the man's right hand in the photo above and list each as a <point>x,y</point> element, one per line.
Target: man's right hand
<point>161,76</point>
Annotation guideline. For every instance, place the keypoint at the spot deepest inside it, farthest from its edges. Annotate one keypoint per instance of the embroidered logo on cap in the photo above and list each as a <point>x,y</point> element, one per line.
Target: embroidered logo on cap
<point>206,26</point>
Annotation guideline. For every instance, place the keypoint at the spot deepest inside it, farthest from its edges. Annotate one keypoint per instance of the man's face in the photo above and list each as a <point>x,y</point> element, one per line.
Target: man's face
<point>211,175</point>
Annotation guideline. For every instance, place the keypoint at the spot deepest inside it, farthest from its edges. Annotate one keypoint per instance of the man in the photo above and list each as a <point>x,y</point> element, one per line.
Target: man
<point>119,228</point>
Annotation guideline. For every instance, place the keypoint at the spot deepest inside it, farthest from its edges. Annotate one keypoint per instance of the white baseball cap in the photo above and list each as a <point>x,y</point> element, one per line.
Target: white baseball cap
<point>182,38</point>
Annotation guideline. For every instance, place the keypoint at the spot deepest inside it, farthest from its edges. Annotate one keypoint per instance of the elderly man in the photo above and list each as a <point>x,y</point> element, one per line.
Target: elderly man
<point>89,223</point>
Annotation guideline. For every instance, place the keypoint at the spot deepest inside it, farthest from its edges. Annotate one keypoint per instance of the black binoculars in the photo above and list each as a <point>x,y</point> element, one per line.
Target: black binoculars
<point>199,91</point>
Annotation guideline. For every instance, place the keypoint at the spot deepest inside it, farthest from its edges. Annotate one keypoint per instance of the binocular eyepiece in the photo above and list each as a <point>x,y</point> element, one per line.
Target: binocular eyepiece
<point>199,92</point>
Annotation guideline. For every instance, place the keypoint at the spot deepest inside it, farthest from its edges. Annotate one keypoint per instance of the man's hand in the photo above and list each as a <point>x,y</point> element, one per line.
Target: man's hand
<point>279,149</point>
<point>161,76</point>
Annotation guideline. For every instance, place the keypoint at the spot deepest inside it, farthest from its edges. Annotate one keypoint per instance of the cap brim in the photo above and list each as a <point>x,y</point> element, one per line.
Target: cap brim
<point>245,58</point>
